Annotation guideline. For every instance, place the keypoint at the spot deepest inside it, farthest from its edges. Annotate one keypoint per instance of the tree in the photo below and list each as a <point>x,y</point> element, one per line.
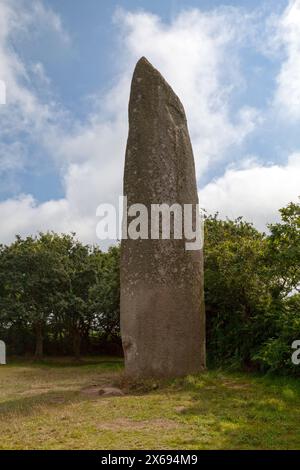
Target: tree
<point>32,280</point>
<point>283,256</point>
<point>74,311</point>
<point>56,293</point>
<point>105,294</point>
<point>251,285</point>
<point>236,288</point>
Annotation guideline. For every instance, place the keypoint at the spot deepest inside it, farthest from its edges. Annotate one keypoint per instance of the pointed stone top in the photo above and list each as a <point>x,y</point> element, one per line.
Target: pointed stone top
<point>143,62</point>
<point>143,66</point>
<point>147,77</point>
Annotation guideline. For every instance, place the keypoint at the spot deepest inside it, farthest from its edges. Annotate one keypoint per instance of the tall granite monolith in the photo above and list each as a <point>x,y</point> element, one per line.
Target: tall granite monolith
<point>162,307</point>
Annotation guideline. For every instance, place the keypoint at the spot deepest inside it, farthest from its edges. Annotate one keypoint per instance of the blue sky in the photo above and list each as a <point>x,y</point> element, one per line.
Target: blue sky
<point>67,66</point>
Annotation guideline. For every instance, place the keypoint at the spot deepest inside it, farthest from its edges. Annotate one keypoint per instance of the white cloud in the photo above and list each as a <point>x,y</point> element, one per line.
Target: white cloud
<point>24,112</point>
<point>192,53</point>
<point>41,17</point>
<point>256,192</point>
<point>25,216</point>
<point>287,35</point>
<point>198,53</point>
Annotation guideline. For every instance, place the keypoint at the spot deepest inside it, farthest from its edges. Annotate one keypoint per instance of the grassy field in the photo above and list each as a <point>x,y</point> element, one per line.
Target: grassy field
<point>49,406</point>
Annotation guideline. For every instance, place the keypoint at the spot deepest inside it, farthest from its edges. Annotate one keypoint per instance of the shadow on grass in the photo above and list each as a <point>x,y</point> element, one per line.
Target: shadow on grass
<point>210,410</point>
<point>27,406</point>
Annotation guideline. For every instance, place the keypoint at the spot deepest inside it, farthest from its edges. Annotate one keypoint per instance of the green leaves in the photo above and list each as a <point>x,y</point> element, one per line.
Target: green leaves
<point>58,291</point>
<point>250,284</point>
<point>283,253</point>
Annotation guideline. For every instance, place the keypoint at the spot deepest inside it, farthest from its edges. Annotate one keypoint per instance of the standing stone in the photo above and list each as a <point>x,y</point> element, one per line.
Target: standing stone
<point>162,308</point>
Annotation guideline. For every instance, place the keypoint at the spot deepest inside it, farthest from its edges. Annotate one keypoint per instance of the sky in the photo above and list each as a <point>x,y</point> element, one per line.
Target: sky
<point>67,66</point>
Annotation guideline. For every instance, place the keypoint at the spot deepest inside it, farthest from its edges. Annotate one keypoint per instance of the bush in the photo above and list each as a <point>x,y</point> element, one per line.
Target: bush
<point>275,353</point>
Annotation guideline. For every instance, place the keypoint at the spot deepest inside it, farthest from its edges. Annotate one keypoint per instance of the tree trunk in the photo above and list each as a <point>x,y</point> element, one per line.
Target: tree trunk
<point>76,344</point>
<point>38,342</point>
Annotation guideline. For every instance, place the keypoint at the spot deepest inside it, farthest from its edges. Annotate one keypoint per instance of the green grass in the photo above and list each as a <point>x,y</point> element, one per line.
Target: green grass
<point>42,407</point>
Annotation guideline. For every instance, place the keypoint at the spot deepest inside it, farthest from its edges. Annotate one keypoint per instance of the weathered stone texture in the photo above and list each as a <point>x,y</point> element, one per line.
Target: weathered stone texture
<point>162,309</point>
